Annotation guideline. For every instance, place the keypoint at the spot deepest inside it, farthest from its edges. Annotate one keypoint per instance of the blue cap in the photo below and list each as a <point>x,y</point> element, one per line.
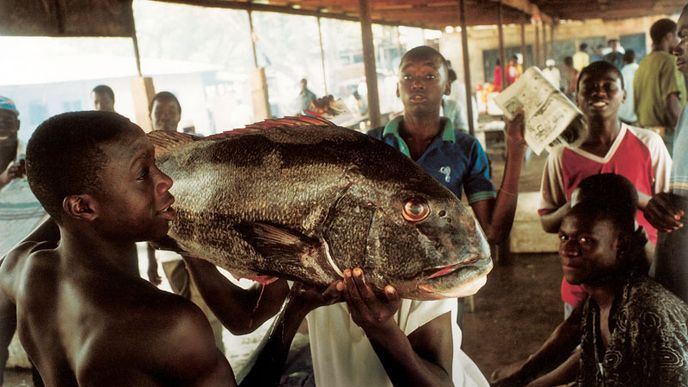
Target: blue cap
<point>8,104</point>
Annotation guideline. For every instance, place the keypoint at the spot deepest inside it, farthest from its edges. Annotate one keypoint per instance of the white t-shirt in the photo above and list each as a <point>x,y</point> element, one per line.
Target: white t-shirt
<point>343,356</point>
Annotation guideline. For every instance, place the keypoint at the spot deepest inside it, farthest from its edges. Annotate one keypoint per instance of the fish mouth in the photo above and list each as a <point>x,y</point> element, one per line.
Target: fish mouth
<point>455,280</point>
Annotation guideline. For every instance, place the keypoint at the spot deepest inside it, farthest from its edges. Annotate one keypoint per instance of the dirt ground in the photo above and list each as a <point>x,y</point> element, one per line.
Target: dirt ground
<point>513,313</point>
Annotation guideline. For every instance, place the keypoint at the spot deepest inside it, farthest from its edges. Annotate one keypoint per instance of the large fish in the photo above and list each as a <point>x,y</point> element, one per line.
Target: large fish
<point>303,199</point>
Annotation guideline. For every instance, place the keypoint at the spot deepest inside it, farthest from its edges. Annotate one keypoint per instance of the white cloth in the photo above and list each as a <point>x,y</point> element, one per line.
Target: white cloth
<point>627,109</point>
<point>343,356</point>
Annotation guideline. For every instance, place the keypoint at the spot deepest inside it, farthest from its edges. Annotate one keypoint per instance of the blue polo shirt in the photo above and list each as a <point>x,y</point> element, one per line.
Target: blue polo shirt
<point>454,158</point>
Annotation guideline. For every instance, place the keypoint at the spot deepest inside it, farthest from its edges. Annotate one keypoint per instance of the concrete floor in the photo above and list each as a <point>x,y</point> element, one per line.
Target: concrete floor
<point>514,312</point>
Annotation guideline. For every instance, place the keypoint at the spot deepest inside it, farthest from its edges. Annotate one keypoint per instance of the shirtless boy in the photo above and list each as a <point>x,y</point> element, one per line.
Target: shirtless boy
<point>83,314</point>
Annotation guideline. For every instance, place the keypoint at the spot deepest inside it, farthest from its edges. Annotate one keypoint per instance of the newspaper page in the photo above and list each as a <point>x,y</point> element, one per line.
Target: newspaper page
<point>550,117</point>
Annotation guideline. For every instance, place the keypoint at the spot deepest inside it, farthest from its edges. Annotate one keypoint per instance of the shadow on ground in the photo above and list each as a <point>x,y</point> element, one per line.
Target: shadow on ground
<point>515,311</point>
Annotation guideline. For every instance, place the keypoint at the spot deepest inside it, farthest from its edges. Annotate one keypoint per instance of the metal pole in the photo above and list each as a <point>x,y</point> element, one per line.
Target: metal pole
<point>466,67</point>
<point>502,55</point>
<point>322,56</point>
<point>369,63</point>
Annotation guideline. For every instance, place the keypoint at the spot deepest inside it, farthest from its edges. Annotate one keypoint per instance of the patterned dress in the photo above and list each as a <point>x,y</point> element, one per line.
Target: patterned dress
<point>649,339</point>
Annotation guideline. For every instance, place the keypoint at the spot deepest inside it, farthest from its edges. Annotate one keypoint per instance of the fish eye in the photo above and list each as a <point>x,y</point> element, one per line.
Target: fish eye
<point>415,210</point>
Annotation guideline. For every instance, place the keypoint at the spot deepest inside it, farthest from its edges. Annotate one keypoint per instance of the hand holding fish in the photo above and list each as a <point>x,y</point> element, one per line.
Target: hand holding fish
<point>368,310</point>
<point>308,297</point>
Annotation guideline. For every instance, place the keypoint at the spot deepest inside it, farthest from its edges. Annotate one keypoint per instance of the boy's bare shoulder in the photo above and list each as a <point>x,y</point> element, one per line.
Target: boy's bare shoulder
<point>26,261</point>
<point>165,335</point>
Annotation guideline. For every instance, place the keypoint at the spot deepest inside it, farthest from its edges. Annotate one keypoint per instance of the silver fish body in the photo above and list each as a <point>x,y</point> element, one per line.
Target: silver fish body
<point>305,202</point>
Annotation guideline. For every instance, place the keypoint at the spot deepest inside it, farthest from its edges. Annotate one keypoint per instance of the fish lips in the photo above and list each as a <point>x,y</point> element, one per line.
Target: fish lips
<point>458,280</point>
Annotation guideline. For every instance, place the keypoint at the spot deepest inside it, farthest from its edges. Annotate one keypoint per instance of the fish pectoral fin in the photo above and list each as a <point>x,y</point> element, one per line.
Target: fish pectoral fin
<point>273,241</point>
<point>165,141</point>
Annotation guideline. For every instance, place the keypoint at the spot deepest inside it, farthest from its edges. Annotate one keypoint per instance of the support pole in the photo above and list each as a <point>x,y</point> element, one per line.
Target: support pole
<point>537,45</point>
<point>369,63</point>
<point>467,67</point>
<point>322,56</point>
<point>545,44</point>
<point>523,44</point>
<point>253,40</point>
<point>502,55</point>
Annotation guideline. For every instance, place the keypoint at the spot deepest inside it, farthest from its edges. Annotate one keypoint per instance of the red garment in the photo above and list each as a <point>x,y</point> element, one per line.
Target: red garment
<point>497,78</point>
<point>637,154</point>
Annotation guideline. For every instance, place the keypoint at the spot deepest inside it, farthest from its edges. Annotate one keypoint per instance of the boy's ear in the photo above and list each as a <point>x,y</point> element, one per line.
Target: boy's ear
<point>82,207</point>
<point>398,96</point>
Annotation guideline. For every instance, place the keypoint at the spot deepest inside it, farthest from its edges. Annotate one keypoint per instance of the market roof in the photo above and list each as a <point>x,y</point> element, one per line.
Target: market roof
<point>114,17</point>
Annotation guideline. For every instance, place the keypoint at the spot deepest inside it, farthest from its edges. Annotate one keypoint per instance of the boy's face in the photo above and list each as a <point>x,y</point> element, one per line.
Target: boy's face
<point>9,126</point>
<point>134,202</point>
<point>680,50</point>
<point>588,249</point>
<point>102,102</point>
<point>165,115</point>
<point>422,82</point>
<point>600,94</point>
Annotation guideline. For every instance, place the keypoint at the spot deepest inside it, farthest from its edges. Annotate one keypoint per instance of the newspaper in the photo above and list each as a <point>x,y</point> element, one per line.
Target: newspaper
<point>550,117</point>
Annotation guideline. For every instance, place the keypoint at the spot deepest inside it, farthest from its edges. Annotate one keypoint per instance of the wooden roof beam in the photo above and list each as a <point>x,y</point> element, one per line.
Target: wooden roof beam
<point>528,8</point>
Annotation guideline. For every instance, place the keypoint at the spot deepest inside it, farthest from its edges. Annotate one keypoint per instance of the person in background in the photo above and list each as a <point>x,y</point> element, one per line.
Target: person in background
<point>570,78</point>
<point>659,91</point>
<point>165,113</point>
<point>610,146</point>
<point>451,108</point>
<point>667,211</point>
<point>552,74</point>
<point>634,330</point>
<point>612,194</point>
<point>305,95</point>
<point>21,213</point>
<point>597,54</point>
<point>103,98</point>
<point>615,54</point>
<point>627,109</point>
<point>581,58</point>
<point>497,76</point>
<point>513,70</point>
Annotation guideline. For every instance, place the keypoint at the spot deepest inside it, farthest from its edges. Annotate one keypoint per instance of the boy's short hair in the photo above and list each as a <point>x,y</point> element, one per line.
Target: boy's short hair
<point>599,67</point>
<point>425,52</point>
<point>64,155</point>
<point>610,190</point>
<point>164,96</point>
<point>104,89</point>
<point>629,56</point>
<point>660,28</point>
<point>583,46</point>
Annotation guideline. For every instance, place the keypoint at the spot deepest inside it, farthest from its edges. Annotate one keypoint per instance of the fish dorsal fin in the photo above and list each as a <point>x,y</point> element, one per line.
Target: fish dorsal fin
<point>277,123</point>
<point>165,141</point>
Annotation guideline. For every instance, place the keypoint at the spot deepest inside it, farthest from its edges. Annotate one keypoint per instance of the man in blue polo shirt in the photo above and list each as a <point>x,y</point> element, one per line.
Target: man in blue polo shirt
<point>454,158</point>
